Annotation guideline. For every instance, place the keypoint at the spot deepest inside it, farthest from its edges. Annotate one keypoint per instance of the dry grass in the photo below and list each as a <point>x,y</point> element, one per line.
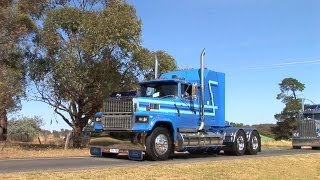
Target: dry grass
<point>276,144</point>
<point>26,150</point>
<point>304,166</point>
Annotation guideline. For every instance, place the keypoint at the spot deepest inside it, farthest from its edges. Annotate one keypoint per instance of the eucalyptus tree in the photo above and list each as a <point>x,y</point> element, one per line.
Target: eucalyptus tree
<point>15,26</point>
<point>84,50</point>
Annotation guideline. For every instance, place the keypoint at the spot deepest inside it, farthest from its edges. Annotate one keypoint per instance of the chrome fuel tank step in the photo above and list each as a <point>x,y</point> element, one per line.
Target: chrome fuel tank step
<point>199,139</point>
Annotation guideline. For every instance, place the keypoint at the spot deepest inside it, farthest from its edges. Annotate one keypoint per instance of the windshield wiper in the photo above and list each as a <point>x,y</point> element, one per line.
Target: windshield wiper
<point>171,95</point>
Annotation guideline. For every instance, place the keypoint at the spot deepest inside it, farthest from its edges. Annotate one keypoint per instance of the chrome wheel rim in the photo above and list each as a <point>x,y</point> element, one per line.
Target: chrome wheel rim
<point>161,144</point>
<point>255,143</point>
<point>240,143</point>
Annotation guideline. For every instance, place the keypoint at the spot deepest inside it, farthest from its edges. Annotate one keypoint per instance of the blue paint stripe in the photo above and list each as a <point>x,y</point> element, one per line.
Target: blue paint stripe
<point>175,111</point>
<point>181,108</point>
<point>148,101</point>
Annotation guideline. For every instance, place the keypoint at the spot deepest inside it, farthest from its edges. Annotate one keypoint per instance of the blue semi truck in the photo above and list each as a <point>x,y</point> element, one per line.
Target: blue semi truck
<point>179,111</point>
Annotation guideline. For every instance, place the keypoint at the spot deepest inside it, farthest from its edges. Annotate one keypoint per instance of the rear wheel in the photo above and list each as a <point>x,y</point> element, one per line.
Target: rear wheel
<point>238,147</point>
<point>159,144</point>
<point>254,143</point>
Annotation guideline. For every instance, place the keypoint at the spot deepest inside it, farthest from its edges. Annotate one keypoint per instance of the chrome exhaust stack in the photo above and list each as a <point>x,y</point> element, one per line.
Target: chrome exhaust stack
<point>202,90</point>
<point>156,69</point>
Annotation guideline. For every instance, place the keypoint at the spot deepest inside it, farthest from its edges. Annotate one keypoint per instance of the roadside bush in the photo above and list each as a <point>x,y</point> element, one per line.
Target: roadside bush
<point>24,129</point>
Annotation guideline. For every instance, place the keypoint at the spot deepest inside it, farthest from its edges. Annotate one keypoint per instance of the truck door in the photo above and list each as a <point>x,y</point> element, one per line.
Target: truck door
<point>188,107</point>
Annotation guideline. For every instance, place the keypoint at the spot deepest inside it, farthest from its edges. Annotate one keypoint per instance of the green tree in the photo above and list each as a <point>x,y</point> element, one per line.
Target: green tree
<point>84,51</point>
<point>288,118</point>
<point>15,27</point>
<point>28,126</point>
<point>144,61</point>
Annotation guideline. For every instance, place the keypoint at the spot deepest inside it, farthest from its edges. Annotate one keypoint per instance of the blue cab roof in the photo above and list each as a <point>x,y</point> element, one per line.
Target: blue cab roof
<point>184,76</point>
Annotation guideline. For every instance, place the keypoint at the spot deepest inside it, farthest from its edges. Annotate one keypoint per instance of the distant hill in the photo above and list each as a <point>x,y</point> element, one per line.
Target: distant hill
<point>263,129</point>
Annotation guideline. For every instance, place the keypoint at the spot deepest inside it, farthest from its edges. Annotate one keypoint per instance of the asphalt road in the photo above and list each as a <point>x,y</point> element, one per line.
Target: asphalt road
<point>72,163</point>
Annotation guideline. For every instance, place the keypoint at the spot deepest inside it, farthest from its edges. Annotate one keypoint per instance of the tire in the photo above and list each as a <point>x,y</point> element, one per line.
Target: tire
<point>254,143</point>
<point>315,148</point>
<point>238,147</point>
<point>159,144</point>
<point>296,147</point>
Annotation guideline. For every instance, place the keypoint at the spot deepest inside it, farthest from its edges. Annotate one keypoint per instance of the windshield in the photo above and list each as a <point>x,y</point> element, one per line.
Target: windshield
<point>167,89</point>
<point>312,116</point>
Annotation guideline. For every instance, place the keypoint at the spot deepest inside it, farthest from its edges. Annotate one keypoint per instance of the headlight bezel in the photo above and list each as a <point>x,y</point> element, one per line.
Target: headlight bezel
<point>142,119</point>
<point>97,119</point>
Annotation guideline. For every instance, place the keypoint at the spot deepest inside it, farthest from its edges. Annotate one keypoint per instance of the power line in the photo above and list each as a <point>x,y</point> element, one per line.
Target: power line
<point>269,66</point>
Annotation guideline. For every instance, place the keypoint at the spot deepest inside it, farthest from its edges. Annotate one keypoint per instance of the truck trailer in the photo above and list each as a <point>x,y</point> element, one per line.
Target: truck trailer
<point>180,111</point>
<point>308,133</point>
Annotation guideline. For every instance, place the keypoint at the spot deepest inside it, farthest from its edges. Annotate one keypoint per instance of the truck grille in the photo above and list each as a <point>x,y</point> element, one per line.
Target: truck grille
<point>119,122</point>
<point>307,128</point>
<point>118,114</point>
<point>118,105</point>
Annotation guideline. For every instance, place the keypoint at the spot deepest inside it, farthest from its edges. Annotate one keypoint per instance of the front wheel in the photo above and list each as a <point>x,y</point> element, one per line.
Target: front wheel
<point>159,144</point>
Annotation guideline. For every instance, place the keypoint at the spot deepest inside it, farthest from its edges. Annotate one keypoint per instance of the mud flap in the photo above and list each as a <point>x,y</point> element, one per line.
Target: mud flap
<point>135,155</point>
<point>95,151</point>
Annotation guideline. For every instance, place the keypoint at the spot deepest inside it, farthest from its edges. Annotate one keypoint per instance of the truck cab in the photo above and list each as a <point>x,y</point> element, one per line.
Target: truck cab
<point>308,133</point>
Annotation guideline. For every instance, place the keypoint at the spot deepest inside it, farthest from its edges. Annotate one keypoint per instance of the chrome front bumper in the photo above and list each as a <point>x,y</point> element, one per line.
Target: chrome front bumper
<point>118,142</point>
<point>313,142</point>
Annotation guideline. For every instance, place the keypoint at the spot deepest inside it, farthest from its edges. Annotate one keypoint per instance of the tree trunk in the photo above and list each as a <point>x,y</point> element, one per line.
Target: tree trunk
<point>66,145</point>
<point>3,125</point>
<point>77,136</point>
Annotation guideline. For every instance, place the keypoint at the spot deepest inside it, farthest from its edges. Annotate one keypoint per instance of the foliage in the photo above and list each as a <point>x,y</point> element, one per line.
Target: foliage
<point>84,51</point>
<point>61,133</point>
<point>144,59</point>
<point>265,129</point>
<point>288,118</point>
<point>233,124</point>
<point>15,27</point>
<point>25,126</point>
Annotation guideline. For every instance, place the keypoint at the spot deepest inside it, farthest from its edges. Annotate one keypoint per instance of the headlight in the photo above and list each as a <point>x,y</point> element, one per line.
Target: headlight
<point>142,119</point>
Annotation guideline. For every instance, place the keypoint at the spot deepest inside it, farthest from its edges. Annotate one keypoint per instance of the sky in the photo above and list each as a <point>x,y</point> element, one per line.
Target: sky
<point>255,43</point>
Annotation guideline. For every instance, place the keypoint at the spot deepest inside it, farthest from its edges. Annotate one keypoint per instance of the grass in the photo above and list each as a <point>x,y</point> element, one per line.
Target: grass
<point>304,166</point>
<point>270,143</point>
<point>265,138</point>
<point>276,144</point>
<point>27,150</point>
